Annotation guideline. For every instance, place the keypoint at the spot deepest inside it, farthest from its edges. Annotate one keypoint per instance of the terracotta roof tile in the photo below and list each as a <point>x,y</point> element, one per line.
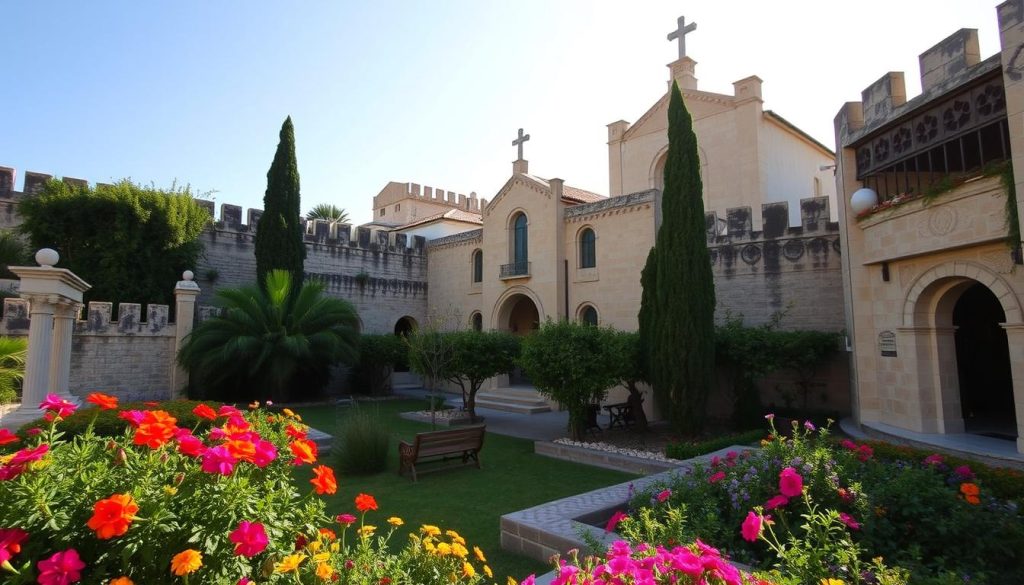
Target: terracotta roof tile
<point>452,214</point>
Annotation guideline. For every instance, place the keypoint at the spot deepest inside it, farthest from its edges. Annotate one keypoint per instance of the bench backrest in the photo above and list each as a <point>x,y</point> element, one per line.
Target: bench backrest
<point>448,440</point>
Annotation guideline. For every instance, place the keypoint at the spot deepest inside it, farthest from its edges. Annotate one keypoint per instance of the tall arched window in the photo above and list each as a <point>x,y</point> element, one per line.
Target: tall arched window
<point>519,238</point>
<point>478,266</point>
<point>477,322</point>
<point>589,315</point>
<point>588,251</point>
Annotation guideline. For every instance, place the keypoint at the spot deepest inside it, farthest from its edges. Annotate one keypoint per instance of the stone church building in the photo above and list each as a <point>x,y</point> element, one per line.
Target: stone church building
<point>933,282</point>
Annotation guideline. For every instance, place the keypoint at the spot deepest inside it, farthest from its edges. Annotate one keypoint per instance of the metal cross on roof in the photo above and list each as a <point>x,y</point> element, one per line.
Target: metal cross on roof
<point>681,32</point>
<point>519,142</point>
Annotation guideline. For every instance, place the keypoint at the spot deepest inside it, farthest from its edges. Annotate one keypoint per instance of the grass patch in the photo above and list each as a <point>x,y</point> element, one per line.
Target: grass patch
<point>361,446</point>
<point>468,500</point>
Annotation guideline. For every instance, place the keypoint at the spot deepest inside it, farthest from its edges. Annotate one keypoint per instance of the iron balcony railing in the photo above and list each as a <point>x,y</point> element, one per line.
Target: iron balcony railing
<point>515,269</point>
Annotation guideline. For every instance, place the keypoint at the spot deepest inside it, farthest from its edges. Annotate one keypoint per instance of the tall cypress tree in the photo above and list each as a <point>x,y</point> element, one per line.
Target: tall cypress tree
<point>678,306</point>
<point>279,241</point>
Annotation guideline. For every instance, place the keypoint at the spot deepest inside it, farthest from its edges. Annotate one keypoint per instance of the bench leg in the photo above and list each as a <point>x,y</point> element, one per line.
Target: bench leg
<point>412,467</point>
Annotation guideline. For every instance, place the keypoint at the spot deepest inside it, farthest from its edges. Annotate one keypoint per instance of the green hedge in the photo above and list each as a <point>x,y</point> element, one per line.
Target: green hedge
<point>109,425</point>
<point>691,449</point>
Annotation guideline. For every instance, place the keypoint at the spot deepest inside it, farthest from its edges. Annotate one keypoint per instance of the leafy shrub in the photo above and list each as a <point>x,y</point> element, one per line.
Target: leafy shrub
<point>379,355</point>
<point>13,352</point>
<point>159,502</point>
<point>477,356</point>
<point>274,342</point>
<point>104,232</point>
<point>108,423</point>
<point>689,450</point>
<point>362,444</point>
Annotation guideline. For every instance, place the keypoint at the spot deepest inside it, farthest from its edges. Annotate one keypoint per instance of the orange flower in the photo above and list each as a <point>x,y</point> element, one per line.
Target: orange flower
<point>305,451</point>
<point>365,502</point>
<point>157,427</point>
<point>975,500</point>
<point>969,489</point>
<point>104,401</point>
<point>122,581</point>
<point>204,411</point>
<point>324,481</point>
<point>241,450</point>
<point>328,533</point>
<point>112,517</point>
<point>185,562</point>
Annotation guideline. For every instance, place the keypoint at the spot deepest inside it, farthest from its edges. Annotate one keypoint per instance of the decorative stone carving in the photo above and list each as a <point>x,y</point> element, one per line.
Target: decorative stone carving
<point>999,261</point>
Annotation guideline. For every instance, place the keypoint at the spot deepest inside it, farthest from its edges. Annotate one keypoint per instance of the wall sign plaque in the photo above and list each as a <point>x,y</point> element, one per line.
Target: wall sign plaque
<point>887,344</point>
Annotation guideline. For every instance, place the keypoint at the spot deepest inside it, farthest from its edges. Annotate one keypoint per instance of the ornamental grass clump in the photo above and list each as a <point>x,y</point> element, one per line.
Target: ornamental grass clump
<point>166,503</point>
<point>362,444</point>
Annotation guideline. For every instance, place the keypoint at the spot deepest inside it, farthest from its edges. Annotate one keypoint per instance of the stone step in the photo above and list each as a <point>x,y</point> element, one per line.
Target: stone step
<point>516,407</point>
<point>510,398</point>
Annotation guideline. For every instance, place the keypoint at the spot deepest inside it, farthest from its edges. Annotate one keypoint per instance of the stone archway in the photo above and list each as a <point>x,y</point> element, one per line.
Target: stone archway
<point>931,312</point>
<point>517,312</point>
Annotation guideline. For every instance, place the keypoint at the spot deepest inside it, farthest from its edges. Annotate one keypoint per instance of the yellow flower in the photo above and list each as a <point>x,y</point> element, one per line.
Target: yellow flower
<point>428,546</point>
<point>444,549</point>
<point>479,554</point>
<point>298,417</point>
<point>459,550</point>
<point>321,558</point>
<point>170,490</point>
<point>288,412</point>
<point>187,561</point>
<point>366,531</point>
<point>395,521</point>
<point>5,458</point>
<point>510,581</point>
<point>290,563</point>
<point>468,570</point>
<point>430,530</point>
<point>324,571</point>
<point>455,537</point>
<point>122,581</point>
<point>488,572</point>
<point>314,546</point>
<point>335,547</point>
<point>832,582</point>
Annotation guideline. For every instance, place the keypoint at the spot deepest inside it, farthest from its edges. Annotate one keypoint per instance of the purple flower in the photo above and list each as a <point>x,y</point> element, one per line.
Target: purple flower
<point>809,425</point>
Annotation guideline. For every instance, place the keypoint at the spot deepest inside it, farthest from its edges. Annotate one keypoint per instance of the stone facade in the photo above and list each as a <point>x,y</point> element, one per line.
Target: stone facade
<point>919,268</point>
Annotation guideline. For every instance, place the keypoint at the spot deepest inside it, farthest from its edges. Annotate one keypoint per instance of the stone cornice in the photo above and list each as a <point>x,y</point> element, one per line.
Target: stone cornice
<point>455,240</point>
<point>519,179</point>
<point>619,204</point>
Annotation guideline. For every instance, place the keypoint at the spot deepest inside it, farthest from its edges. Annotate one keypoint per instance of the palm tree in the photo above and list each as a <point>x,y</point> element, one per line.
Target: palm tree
<point>328,212</point>
<point>275,343</point>
<point>13,351</point>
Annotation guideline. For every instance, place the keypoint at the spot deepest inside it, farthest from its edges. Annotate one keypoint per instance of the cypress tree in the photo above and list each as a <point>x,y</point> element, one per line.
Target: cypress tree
<point>279,240</point>
<point>678,308</point>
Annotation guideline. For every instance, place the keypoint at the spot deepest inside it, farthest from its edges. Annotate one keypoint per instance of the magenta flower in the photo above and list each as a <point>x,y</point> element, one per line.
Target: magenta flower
<point>848,444</point>
<point>849,521</point>
<point>776,502</point>
<point>62,568</point>
<point>33,431</point>
<point>751,528</point>
<point>531,580</point>
<point>345,519</point>
<point>244,581</point>
<point>134,417</point>
<point>58,405</point>
<point>790,483</point>
<point>933,459</point>
<point>191,445</point>
<point>717,477</point>
<point>229,411</point>
<point>250,538</point>
<point>769,417</point>
<point>664,495</point>
<point>9,472</point>
<point>218,460</point>
<point>10,542</point>
<point>964,472</point>
<point>265,453</point>
<point>617,517</point>
<point>28,455</point>
<point>809,425</point>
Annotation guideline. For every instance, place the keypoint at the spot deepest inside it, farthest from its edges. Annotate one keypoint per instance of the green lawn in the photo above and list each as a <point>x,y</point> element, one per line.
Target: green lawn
<point>467,500</point>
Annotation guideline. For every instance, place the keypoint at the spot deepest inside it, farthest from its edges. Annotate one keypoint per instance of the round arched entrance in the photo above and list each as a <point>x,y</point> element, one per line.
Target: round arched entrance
<point>519,314</point>
<point>983,364</point>
<point>405,326</point>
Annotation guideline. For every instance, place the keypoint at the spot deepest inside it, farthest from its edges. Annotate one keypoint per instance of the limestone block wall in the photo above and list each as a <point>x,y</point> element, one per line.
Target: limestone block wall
<point>795,269</point>
<point>130,358</point>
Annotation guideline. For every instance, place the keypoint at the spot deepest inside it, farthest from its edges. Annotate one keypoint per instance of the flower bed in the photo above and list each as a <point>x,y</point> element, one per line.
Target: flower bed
<point>162,503</point>
<point>816,509</point>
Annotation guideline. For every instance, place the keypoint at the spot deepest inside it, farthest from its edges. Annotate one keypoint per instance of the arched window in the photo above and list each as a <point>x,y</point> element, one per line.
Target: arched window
<point>478,266</point>
<point>588,252</point>
<point>477,322</point>
<point>519,239</point>
<point>588,315</point>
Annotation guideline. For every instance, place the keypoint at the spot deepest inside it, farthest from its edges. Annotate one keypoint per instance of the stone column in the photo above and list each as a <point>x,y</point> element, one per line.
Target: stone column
<point>185,294</point>
<point>64,317</point>
<point>1015,340</point>
<point>40,348</point>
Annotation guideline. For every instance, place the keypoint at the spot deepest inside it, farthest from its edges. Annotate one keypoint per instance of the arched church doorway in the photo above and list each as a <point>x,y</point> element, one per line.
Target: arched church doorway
<point>519,315</point>
<point>983,364</point>
<point>405,326</point>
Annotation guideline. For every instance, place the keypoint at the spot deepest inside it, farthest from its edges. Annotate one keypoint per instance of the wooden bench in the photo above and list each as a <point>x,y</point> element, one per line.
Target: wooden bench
<point>460,443</point>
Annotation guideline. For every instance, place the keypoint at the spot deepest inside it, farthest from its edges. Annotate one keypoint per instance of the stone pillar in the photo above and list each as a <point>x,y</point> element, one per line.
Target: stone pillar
<point>185,294</point>
<point>64,317</point>
<point>49,291</point>
<point>1015,340</point>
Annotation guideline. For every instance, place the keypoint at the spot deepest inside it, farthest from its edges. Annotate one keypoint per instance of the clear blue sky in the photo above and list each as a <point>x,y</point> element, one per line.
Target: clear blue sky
<point>430,92</point>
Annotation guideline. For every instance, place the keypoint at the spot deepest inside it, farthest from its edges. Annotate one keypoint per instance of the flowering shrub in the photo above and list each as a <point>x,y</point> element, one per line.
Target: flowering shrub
<point>164,503</point>
<point>924,513</point>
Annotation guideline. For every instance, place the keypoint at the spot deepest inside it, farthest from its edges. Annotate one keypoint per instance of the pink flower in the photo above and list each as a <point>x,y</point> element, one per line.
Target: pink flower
<point>218,460</point>
<point>769,417</point>
<point>250,538</point>
<point>28,455</point>
<point>244,581</point>
<point>345,519</point>
<point>62,568</point>
<point>790,483</point>
<point>849,521</point>
<point>265,453</point>
<point>7,437</point>
<point>933,459</point>
<point>10,542</point>
<point>531,580</point>
<point>715,461</point>
<point>190,445</point>
<point>617,517</point>
<point>664,495</point>
<point>864,452</point>
<point>848,444</point>
<point>134,417</point>
<point>776,502</point>
<point>717,477</point>
<point>9,472</point>
<point>964,472</point>
<point>809,425</point>
<point>228,411</point>
<point>731,455</point>
<point>751,528</point>
<point>33,431</point>
<point>58,405</point>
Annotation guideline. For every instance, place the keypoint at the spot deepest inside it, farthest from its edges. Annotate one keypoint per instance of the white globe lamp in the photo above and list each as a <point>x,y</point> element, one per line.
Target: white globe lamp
<point>863,200</point>
<point>47,257</point>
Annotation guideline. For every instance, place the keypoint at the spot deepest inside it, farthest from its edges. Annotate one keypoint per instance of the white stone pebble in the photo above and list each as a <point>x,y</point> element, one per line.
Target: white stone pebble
<point>598,446</point>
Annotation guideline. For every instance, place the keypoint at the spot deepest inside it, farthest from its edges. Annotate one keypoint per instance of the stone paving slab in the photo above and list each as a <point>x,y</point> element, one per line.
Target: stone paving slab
<point>553,528</point>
